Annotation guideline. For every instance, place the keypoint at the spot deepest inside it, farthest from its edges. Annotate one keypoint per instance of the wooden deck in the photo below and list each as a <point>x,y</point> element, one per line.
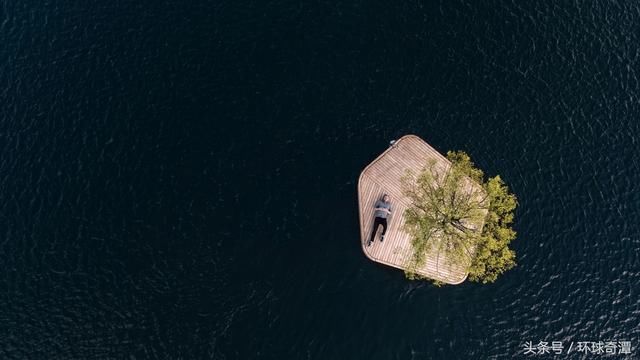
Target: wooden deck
<point>383,176</point>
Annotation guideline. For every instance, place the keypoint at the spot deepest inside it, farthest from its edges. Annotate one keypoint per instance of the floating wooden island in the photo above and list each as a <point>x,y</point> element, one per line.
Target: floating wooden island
<point>382,176</point>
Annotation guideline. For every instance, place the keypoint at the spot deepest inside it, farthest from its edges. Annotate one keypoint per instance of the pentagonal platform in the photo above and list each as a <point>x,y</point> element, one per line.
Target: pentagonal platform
<point>383,176</point>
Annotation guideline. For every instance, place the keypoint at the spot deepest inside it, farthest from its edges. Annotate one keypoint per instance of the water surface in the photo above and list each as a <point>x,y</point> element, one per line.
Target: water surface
<point>178,178</point>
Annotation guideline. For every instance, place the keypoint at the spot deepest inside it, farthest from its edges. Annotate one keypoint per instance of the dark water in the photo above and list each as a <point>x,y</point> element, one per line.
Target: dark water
<point>178,178</point>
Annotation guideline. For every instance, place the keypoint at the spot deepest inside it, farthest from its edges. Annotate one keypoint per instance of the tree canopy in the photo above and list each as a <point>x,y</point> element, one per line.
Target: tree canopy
<point>456,215</point>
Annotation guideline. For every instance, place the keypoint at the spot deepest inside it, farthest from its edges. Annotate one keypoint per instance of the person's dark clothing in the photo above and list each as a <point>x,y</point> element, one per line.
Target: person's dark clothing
<point>378,221</point>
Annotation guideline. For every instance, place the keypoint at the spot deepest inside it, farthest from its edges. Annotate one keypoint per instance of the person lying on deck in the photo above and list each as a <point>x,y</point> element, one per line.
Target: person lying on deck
<point>382,210</point>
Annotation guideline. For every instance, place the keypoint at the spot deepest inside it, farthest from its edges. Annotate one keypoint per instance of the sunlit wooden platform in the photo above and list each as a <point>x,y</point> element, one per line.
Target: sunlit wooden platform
<point>383,176</point>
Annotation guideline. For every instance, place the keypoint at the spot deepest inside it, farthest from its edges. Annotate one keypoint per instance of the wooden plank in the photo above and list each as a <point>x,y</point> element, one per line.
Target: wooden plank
<point>383,176</point>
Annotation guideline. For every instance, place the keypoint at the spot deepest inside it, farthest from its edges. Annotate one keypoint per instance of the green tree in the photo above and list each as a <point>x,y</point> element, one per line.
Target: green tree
<point>449,206</point>
<point>493,255</point>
